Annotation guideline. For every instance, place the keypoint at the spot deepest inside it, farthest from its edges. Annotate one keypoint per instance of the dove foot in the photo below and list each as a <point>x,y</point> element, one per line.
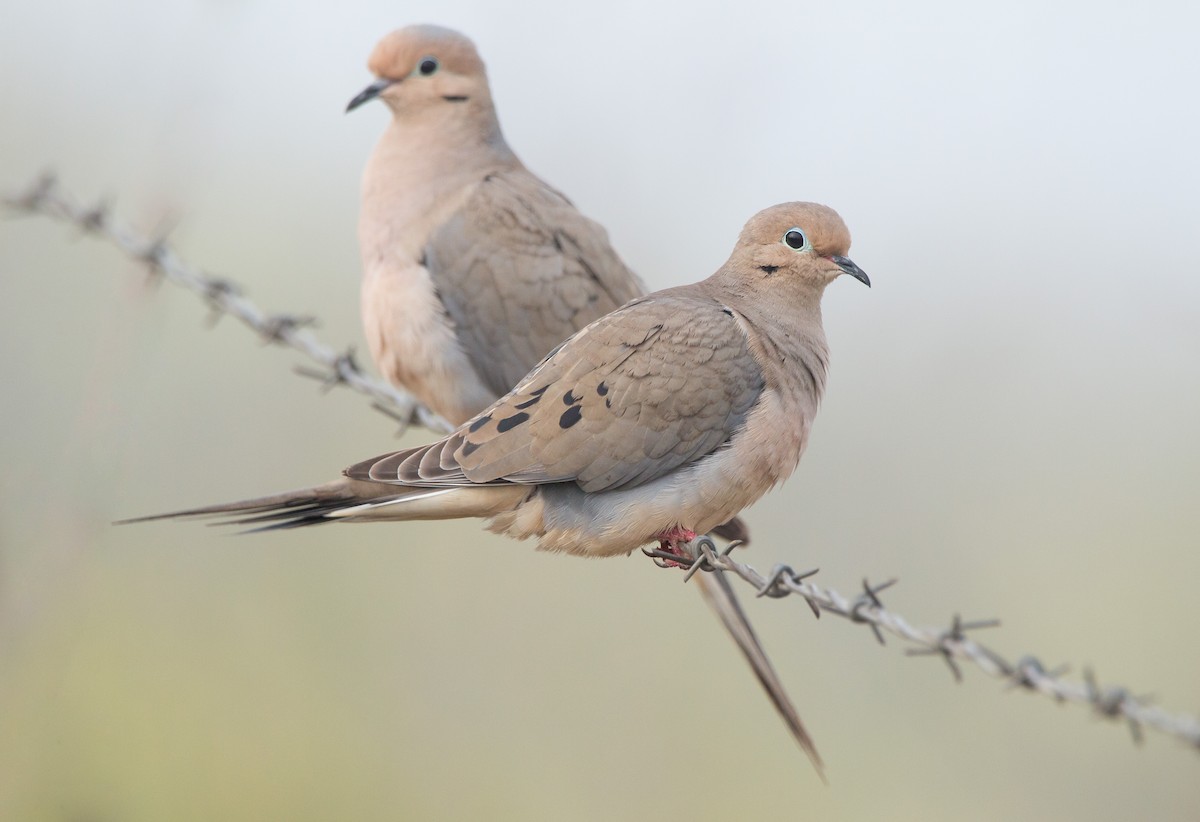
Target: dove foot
<point>669,542</point>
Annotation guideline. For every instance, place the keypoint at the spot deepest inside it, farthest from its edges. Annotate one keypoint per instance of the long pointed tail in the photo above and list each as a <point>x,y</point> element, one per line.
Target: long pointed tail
<point>354,500</point>
<point>291,509</point>
<point>719,595</point>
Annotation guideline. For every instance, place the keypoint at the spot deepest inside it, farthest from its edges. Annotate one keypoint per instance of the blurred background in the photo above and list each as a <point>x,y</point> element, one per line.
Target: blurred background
<point>1010,428</point>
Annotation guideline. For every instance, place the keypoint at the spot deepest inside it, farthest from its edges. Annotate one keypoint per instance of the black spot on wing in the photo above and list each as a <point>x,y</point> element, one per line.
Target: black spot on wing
<point>529,403</point>
<point>571,416</point>
<point>479,423</point>
<point>602,389</point>
<point>569,398</point>
<point>469,448</point>
<point>508,423</point>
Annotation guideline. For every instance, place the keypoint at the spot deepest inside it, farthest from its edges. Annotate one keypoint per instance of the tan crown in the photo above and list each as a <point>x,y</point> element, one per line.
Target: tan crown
<point>396,55</point>
<point>822,225</point>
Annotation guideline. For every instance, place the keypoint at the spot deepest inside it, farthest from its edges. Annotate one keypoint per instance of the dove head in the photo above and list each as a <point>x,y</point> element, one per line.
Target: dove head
<point>424,68</point>
<point>797,244</point>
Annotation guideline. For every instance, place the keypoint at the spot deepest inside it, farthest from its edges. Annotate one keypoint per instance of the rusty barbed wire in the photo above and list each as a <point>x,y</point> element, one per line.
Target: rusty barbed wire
<point>45,197</point>
<point>952,643</point>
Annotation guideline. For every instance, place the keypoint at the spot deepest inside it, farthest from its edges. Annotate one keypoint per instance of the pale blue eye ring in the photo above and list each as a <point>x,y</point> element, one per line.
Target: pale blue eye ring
<point>427,66</point>
<point>794,238</point>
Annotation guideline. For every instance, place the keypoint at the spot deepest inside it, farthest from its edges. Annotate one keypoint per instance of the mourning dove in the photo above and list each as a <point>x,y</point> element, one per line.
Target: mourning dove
<point>652,424</point>
<point>473,268</point>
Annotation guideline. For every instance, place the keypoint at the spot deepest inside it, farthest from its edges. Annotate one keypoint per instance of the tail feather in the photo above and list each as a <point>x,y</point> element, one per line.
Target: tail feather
<point>338,492</point>
<point>353,500</point>
<point>291,509</point>
<point>724,602</point>
<point>315,512</point>
<point>735,530</point>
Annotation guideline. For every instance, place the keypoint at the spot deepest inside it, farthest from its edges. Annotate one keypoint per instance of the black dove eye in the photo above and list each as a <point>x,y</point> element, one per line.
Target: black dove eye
<point>794,238</point>
<point>427,66</point>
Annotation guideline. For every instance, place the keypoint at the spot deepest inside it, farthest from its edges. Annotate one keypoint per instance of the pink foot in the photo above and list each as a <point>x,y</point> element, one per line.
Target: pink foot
<point>669,542</point>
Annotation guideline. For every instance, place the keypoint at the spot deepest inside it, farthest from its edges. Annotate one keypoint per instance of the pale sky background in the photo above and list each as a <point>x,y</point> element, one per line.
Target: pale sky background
<point>1010,429</point>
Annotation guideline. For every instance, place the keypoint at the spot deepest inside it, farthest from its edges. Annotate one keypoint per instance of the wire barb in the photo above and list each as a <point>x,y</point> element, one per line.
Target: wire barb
<point>96,218</point>
<point>869,598</point>
<point>1029,673</point>
<point>947,640</point>
<point>344,369</point>
<point>1115,702</point>
<point>783,581</point>
<point>277,328</point>
<point>215,291</point>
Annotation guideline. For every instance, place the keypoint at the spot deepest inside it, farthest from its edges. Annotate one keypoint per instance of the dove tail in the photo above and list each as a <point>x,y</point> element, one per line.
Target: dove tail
<point>352,500</point>
<point>291,509</point>
<point>720,596</point>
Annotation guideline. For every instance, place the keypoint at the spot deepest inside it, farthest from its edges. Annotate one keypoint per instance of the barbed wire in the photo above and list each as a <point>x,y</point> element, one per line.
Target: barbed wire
<point>952,643</point>
<point>45,197</point>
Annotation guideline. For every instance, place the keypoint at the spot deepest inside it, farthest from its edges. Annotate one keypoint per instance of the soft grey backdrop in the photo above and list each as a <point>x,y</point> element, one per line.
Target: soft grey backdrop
<point>1011,424</point>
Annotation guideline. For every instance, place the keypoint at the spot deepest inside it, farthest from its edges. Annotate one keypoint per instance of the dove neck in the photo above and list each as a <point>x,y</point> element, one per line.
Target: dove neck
<point>785,319</point>
<point>774,301</point>
<point>466,134</point>
<point>447,144</point>
<point>420,173</point>
<point>784,344</point>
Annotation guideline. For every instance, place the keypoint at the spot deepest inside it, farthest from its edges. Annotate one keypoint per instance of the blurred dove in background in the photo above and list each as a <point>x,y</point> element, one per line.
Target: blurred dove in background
<point>473,268</point>
<point>654,423</point>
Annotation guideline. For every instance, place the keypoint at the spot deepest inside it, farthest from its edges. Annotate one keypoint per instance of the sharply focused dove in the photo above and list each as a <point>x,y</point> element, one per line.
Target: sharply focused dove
<point>654,423</point>
<point>473,268</point>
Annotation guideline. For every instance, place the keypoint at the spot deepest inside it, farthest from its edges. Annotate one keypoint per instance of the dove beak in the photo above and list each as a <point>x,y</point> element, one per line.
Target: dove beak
<point>847,266</point>
<point>368,94</point>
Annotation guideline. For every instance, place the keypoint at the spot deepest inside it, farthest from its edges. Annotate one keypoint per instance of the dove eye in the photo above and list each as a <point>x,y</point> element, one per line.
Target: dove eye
<point>427,66</point>
<point>794,238</point>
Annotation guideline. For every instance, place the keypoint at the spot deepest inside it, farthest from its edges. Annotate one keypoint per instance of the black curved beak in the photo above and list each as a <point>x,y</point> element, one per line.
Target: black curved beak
<point>368,94</point>
<point>847,265</point>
